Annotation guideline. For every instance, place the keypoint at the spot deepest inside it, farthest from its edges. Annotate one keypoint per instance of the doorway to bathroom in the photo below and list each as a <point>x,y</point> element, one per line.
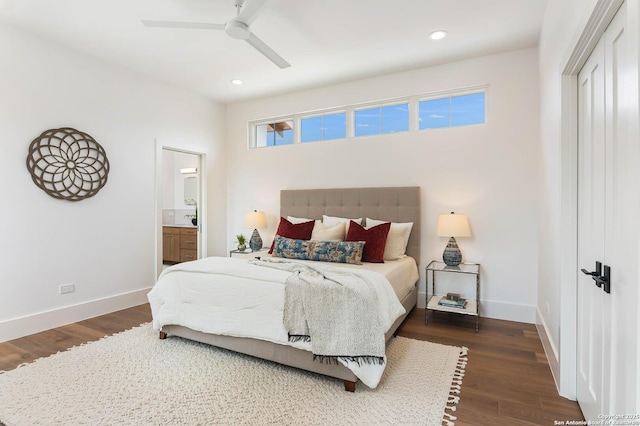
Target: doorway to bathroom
<point>180,206</point>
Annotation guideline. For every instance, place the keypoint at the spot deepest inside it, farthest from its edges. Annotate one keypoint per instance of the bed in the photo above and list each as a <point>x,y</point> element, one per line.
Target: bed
<point>392,204</point>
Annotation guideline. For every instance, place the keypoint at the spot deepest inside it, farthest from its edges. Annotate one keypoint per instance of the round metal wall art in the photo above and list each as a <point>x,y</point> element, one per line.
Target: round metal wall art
<point>68,164</point>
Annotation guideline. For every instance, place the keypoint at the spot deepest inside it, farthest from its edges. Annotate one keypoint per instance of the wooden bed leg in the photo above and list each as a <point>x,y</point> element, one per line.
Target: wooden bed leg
<point>162,335</point>
<point>349,386</point>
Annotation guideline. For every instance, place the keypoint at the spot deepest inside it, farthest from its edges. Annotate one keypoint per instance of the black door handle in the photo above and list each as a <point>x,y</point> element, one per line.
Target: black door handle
<point>604,280</point>
<point>595,273</point>
<point>600,280</point>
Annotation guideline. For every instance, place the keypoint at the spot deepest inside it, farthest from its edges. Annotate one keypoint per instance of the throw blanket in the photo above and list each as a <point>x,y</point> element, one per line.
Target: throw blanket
<point>336,311</point>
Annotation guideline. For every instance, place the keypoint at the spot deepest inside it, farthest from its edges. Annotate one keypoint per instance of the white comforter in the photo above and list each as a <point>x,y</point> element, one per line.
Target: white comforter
<point>230,296</point>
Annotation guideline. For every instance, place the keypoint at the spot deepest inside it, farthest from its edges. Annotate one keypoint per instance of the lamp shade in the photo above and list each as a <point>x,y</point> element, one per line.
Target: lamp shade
<point>255,220</point>
<point>453,225</point>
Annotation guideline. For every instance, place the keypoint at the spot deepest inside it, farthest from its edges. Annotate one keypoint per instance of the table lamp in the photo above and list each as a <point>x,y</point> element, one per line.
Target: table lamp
<point>452,225</point>
<point>255,220</point>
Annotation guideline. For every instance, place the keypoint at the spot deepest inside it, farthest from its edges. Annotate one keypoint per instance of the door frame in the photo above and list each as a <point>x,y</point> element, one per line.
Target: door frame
<point>202,196</point>
<point>602,15</point>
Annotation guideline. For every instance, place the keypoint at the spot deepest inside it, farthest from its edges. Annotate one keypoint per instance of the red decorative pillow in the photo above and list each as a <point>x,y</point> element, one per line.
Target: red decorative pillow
<point>295,231</point>
<point>375,239</point>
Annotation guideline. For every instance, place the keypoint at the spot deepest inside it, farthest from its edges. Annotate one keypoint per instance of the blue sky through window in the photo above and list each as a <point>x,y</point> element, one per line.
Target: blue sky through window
<point>452,111</point>
<point>283,138</point>
<point>434,114</point>
<point>446,111</point>
<point>311,129</point>
<point>273,134</point>
<point>467,109</point>
<point>382,120</point>
<point>395,118</point>
<point>323,127</point>
<point>367,122</point>
<point>335,126</point>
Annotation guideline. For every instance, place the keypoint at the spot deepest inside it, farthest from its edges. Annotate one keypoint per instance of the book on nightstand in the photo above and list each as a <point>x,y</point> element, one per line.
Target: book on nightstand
<point>460,303</point>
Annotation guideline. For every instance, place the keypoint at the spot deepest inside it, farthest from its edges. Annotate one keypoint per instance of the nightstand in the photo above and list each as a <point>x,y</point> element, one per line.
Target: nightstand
<point>472,306</point>
<point>248,253</point>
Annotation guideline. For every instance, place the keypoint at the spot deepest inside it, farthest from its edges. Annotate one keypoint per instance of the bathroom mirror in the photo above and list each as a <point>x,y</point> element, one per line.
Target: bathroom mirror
<point>190,191</point>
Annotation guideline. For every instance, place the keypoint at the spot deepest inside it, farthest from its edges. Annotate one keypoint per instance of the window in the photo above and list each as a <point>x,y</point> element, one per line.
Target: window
<point>467,109</point>
<point>382,120</point>
<point>367,122</point>
<point>272,134</point>
<point>452,111</point>
<point>434,114</point>
<point>323,127</point>
<point>407,114</point>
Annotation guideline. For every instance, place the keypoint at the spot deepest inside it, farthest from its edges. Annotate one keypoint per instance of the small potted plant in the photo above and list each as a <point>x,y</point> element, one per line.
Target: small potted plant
<point>242,246</point>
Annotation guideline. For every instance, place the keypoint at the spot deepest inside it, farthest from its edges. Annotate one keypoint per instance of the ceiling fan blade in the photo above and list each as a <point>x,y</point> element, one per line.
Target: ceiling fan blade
<point>254,41</point>
<point>250,11</point>
<point>186,25</point>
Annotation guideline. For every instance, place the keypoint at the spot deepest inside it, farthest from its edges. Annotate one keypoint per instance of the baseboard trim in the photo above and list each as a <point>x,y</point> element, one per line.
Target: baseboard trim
<point>499,310</point>
<point>41,321</point>
<point>550,349</point>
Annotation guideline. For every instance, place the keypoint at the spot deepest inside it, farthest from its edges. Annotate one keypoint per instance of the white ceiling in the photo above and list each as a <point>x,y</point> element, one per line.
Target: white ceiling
<point>325,41</point>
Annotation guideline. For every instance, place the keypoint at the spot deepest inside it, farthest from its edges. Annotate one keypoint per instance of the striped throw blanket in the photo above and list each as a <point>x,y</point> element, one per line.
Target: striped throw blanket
<point>336,311</point>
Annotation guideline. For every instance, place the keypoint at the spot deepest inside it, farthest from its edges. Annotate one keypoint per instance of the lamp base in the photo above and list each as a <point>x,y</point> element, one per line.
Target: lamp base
<point>255,243</point>
<point>452,255</point>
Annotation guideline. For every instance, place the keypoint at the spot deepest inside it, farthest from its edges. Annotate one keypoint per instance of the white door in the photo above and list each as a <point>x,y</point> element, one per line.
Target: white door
<point>591,162</point>
<point>604,191</point>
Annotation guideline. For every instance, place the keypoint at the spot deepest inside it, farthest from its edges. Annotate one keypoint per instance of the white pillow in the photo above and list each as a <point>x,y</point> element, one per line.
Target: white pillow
<point>322,232</point>
<point>397,238</point>
<point>297,220</point>
<point>332,220</point>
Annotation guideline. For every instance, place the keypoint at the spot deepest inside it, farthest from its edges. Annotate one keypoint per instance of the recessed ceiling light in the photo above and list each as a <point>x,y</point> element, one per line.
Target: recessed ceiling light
<point>236,82</point>
<point>438,35</point>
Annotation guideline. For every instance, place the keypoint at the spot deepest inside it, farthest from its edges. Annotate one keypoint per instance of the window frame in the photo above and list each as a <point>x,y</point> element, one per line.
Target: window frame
<point>252,140</point>
<point>323,114</point>
<point>380,105</point>
<point>412,102</point>
<point>449,94</point>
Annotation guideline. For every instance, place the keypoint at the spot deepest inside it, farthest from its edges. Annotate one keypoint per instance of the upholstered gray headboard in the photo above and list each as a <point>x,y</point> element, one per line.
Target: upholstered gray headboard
<point>395,204</point>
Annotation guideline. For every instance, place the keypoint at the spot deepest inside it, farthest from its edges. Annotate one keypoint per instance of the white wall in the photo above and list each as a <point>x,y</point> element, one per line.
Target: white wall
<point>105,245</point>
<point>490,172</point>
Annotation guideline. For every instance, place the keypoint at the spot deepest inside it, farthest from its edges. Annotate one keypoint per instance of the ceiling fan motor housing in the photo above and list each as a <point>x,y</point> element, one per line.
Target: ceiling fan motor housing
<point>237,30</point>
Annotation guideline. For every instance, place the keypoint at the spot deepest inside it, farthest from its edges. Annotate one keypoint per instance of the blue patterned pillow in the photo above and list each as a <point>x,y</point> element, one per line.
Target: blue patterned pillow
<point>323,251</point>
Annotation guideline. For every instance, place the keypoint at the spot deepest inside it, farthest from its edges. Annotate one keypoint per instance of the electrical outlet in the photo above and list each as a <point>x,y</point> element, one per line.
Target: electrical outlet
<point>67,288</point>
<point>548,309</point>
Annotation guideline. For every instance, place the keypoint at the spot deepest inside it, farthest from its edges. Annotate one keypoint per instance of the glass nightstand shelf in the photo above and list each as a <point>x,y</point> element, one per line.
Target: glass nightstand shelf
<point>472,306</point>
<point>248,253</point>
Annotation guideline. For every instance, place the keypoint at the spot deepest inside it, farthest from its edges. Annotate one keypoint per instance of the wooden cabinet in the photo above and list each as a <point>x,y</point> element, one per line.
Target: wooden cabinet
<point>179,244</point>
<point>188,244</point>
<point>170,244</point>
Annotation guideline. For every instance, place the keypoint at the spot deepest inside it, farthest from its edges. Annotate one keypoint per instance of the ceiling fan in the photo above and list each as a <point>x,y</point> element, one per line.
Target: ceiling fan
<point>238,28</point>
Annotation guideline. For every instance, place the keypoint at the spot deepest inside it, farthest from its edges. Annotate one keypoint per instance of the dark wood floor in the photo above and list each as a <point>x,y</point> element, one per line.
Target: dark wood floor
<point>507,381</point>
<point>29,348</point>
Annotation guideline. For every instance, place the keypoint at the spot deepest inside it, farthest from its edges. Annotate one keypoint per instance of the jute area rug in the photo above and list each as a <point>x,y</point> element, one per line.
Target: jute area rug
<point>134,378</point>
